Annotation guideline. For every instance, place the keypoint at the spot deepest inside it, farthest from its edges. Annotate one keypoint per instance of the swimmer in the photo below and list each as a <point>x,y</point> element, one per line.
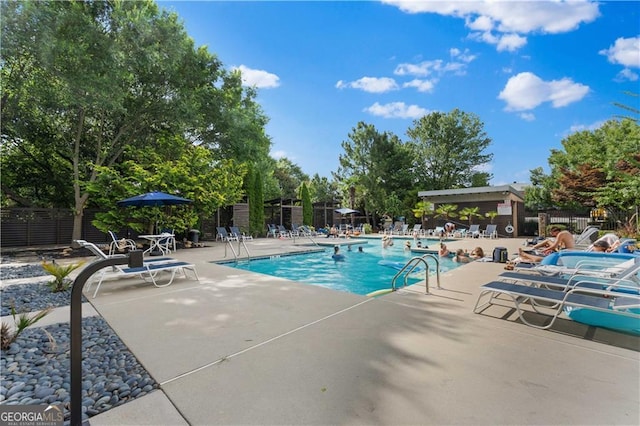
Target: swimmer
<point>443,252</point>
<point>360,249</point>
<point>336,253</point>
<point>407,245</point>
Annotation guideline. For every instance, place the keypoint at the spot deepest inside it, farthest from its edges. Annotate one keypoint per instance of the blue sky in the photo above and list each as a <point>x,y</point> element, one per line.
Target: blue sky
<point>532,71</point>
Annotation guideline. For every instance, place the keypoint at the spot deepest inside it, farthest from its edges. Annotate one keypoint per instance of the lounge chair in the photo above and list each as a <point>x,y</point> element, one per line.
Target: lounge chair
<point>552,302</point>
<point>283,232</point>
<point>120,244</point>
<point>490,231</point>
<point>224,235</point>
<point>235,231</point>
<point>272,231</point>
<point>626,278</point>
<point>473,231</point>
<point>417,229</point>
<point>587,237</point>
<point>148,271</point>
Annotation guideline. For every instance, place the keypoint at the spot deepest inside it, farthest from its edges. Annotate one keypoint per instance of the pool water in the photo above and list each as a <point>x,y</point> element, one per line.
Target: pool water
<point>359,272</point>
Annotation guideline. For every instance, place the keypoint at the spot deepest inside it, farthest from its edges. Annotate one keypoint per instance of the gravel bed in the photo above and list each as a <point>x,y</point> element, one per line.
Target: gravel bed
<point>32,297</point>
<point>24,271</point>
<point>35,369</point>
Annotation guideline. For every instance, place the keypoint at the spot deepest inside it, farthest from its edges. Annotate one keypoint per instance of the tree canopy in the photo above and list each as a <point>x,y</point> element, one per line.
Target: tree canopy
<point>449,150</point>
<point>85,82</point>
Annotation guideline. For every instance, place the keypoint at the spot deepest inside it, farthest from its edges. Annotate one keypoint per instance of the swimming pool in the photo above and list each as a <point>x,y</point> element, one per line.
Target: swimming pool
<point>359,272</point>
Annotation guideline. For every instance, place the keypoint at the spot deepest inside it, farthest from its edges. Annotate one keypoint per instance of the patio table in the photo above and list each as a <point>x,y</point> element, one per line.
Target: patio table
<point>154,242</point>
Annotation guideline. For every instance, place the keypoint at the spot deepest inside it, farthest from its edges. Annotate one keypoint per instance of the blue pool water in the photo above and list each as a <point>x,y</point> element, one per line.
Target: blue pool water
<point>358,273</point>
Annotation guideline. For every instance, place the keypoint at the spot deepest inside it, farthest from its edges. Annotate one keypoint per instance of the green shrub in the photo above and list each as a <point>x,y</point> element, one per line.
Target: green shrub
<point>60,273</point>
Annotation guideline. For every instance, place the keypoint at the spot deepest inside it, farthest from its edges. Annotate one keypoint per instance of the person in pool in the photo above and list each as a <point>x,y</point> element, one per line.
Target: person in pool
<point>444,251</point>
<point>336,253</point>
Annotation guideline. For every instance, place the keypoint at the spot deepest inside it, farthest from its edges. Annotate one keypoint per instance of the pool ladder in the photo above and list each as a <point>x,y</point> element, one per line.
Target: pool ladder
<point>241,244</point>
<point>411,265</point>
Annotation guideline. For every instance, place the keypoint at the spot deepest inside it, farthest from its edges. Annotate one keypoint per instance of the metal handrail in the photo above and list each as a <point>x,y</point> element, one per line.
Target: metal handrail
<point>411,265</point>
<point>241,244</point>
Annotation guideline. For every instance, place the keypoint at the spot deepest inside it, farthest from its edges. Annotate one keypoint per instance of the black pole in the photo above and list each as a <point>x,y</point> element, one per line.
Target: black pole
<point>75,329</point>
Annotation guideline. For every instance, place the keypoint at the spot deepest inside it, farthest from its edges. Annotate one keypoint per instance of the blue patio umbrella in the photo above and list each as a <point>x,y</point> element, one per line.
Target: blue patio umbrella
<point>155,198</point>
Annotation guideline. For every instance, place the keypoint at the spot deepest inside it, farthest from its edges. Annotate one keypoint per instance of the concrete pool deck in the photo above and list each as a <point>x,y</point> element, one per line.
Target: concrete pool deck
<point>242,348</point>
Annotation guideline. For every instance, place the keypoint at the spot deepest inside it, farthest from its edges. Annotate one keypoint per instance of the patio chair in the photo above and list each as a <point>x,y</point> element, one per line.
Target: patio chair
<point>167,243</point>
<point>120,244</point>
<point>235,231</point>
<point>224,235</point>
<point>272,231</point>
<point>149,270</point>
<point>473,231</point>
<point>283,232</point>
<point>490,231</point>
<point>93,248</point>
<point>417,229</point>
<point>623,277</point>
<point>552,302</point>
<point>587,237</point>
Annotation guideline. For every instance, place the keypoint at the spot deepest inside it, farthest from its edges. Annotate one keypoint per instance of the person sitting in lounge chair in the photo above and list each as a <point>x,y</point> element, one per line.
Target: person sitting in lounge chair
<point>563,240</point>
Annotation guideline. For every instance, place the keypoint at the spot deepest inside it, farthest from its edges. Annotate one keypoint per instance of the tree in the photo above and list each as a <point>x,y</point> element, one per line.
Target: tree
<point>307,207</point>
<point>256,202</point>
<point>322,190</point>
<point>422,209</point>
<point>491,215</point>
<point>290,176</point>
<point>597,168</point>
<point>446,211</point>
<point>376,165</point>
<point>86,81</point>
<point>176,166</point>
<point>449,150</point>
<point>468,213</point>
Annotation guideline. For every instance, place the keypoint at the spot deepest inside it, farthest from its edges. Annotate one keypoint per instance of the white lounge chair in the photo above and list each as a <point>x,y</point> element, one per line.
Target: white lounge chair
<point>490,231</point>
<point>473,231</point>
<point>552,302</point>
<point>148,271</point>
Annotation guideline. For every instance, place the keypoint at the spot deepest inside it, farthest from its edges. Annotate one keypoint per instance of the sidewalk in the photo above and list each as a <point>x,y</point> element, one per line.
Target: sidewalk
<point>243,348</point>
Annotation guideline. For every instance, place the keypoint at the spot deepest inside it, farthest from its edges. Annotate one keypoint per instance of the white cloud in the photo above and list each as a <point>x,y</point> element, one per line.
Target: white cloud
<point>626,75</point>
<point>591,127</point>
<point>437,67</point>
<point>463,56</point>
<point>370,84</point>
<point>421,70</point>
<point>527,116</point>
<point>396,110</point>
<point>525,91</point>
<point>258,78</point>
<point>511,42</point>
<point>508,17</point>
<point>625,51</point>
<point>425,86</point>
